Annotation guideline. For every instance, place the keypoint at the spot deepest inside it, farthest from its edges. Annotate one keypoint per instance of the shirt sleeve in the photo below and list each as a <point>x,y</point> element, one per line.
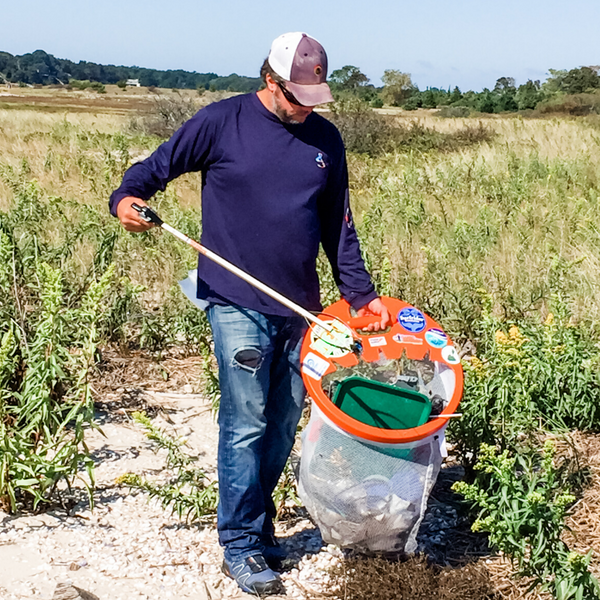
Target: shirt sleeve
<point>339,238</point>
<point>187,150</point>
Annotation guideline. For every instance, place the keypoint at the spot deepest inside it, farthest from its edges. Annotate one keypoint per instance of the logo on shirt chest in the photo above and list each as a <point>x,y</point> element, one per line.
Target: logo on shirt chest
<point>320,161</point>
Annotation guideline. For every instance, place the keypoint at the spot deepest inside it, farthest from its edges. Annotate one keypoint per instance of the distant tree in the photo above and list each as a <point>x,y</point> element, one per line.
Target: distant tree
<point>414,101</point>
<point>505,92</point>
<point>235,83</point>
<point>348,78</point>
<point>504,84</point>
<point>554,83</point>
<point>429,99</point>
<point>149,78</point>
<point>397,87</point>
<point>470,99</point>
<point>487,101</point>
<point>455,96</point>
<point>529,95</point>
<point>40,67</point>
<point>578,81</point>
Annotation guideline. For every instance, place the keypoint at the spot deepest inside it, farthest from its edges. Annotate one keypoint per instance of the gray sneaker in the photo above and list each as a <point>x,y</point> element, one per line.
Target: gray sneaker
<point>253,575</point>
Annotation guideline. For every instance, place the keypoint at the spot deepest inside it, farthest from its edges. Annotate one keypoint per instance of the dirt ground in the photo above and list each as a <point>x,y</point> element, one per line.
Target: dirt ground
<point>129,548</point>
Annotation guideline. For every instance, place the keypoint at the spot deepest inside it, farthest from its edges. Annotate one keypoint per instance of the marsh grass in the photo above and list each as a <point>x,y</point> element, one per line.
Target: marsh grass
<point>516,217</point>
<point>485,235</point>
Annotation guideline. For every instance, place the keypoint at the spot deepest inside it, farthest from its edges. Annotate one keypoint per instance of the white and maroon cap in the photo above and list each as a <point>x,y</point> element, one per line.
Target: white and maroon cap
<point>302,62</point>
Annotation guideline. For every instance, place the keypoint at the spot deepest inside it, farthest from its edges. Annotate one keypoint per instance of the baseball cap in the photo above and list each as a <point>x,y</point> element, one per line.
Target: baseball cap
<point>302,62</point>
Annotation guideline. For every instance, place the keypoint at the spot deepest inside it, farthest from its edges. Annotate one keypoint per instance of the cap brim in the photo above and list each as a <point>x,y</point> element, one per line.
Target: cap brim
<point>310,95</point>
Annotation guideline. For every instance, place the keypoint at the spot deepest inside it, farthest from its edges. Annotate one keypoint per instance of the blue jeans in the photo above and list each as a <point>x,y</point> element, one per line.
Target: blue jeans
<point>262,396</point>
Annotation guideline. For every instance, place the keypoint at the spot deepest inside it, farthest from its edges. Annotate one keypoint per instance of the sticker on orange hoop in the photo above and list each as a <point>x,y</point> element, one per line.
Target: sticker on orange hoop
<point>450,355</point>
<point>332,344</point>
<point>314,366</point>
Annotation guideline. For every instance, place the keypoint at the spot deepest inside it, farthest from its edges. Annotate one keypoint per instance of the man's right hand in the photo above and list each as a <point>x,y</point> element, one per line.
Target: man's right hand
<point>131,218</point>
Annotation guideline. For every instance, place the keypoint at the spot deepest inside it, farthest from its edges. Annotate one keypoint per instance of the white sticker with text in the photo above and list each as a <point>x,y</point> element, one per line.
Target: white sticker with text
<point>314,366</point>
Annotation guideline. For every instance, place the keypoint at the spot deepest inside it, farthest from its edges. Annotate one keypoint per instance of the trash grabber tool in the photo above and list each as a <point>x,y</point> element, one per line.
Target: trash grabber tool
<point>151,217</point>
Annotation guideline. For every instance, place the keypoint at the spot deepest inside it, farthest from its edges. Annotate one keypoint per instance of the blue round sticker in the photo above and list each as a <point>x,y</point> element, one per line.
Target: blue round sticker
<point>411,319</point>
<point>436,338</point>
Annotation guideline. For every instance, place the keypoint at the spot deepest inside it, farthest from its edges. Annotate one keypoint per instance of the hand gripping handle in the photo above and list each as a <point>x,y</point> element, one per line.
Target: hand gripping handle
<point>148,214</point>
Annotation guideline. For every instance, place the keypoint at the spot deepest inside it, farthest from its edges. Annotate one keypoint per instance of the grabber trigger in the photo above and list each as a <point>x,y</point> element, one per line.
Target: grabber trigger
<point>148,214</point>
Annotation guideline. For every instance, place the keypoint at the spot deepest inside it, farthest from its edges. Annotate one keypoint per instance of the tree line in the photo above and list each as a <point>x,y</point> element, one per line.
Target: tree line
<point>42,68</point>
<point>576,91</point>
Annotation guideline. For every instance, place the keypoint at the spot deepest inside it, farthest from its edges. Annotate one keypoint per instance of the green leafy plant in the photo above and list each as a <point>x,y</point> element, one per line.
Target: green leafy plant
<point>523,501</point>
<point>187,493</point>
<point>535,376</point>
<point>46,352</point>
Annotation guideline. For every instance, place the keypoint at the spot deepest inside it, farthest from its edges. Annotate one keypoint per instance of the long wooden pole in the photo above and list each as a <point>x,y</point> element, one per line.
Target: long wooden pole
<point>150,216</point>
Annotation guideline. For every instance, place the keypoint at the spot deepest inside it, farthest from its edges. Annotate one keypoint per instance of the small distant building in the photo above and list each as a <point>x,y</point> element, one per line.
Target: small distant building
<point>133,82</point>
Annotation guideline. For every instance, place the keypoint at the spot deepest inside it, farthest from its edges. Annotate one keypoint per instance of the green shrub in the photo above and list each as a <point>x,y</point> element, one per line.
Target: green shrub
<point>522,500</point>
<point>536,376</point>
<point>366,132</point>
<point>87,84</point>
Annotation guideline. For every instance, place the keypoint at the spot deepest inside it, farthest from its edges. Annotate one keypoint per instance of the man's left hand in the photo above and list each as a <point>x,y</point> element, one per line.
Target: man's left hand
<point>376,307</point>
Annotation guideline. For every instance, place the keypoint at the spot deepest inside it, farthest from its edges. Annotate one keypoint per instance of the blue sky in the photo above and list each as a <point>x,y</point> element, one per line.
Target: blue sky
<point>441,43</point>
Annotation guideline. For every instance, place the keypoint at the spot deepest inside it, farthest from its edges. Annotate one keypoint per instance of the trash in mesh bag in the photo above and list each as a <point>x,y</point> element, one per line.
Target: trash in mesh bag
<point>374,445</point>
<point>366,496</point>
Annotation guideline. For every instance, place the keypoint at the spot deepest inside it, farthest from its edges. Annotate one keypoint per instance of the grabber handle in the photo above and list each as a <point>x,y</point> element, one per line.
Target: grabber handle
<point>148,214</point>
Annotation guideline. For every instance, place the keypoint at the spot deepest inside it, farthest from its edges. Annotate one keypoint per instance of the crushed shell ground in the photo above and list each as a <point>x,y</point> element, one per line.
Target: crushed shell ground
<point>128,548</point>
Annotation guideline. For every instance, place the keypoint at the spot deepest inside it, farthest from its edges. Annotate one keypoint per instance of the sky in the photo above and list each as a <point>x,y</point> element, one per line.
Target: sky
<point>441,43</point>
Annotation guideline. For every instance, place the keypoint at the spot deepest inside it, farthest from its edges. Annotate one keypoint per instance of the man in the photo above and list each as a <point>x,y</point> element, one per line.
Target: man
<point>275,185</point>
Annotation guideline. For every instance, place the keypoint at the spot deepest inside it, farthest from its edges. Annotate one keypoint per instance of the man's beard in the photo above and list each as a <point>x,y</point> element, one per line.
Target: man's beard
<point>282,114</point>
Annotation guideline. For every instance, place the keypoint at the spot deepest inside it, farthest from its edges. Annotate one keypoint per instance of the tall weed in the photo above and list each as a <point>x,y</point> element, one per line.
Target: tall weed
<point>525,378</point>
<point>46,353</point>
<point>523,499</point>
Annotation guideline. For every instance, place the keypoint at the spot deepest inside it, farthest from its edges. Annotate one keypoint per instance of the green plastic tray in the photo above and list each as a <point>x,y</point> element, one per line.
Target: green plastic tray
<point>381,405</point>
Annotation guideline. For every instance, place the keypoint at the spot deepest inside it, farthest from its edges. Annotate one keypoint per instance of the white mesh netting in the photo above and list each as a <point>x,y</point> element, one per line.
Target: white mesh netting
<point>366,496</point>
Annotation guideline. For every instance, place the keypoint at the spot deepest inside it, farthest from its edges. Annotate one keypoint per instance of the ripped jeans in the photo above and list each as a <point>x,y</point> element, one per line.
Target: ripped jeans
<point>262,396</point>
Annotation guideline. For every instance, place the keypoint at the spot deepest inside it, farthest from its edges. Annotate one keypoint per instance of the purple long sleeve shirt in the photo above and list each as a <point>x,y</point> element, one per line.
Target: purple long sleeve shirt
<point>270,193</point>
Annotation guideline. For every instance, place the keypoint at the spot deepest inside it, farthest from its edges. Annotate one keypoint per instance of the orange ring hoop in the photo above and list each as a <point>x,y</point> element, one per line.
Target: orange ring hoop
<point>406,337</point>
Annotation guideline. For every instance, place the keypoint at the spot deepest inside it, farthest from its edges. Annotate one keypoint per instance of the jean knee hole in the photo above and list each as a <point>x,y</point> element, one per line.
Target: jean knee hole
<point>248,359</point>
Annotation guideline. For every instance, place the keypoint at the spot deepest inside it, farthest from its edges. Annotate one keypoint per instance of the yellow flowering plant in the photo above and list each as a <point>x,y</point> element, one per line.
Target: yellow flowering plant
<point>522,501</point>
<point>525,377</point>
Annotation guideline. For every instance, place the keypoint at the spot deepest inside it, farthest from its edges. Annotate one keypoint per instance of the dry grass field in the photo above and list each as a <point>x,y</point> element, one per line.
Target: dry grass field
<point>499,233</point>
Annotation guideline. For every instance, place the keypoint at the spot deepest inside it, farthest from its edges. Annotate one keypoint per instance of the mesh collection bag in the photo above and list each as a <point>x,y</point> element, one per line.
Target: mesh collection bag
<point>362,495</point>
<point>365,483</point>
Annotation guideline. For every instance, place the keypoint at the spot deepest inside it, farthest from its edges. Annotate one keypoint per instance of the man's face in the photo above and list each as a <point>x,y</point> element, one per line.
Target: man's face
<point>292,114</point>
